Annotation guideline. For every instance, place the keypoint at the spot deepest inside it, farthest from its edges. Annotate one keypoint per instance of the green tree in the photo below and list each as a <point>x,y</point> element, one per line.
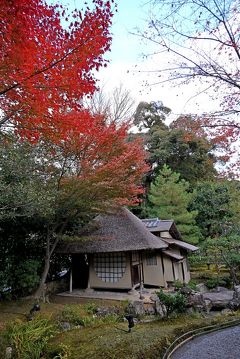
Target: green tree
<point>150,114</point>
<point>184,152</point>
<point>48,190</point>
<point>212,202</point>
<point>169,199</point>
<point>225,250</point>
<point>183,147</point>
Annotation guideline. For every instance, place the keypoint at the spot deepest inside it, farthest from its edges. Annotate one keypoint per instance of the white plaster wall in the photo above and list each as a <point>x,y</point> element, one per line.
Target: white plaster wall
<point>153,274</point>
<point>124,283</point>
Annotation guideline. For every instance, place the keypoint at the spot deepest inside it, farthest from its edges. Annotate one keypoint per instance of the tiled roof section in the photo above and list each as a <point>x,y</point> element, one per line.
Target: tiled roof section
<point>115,232</point>
<point>162,225</point>
<point>157,224</point>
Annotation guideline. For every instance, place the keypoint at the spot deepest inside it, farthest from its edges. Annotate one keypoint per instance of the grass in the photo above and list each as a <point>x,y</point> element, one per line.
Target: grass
<point>147,340</point>
<point>101,338</point>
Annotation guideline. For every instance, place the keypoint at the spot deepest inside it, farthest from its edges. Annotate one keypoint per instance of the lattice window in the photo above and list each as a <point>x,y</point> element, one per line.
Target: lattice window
<point>151,259</point>
<point>110,267</point>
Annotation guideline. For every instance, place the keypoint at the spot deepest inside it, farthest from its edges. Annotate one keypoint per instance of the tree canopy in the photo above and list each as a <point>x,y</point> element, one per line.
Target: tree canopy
<point>169,199</point>
<point>46,68</point>
<point>60,161</point>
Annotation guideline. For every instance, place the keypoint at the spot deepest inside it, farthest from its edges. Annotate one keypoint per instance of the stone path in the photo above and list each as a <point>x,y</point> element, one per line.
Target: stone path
<point>224,344</point>
<point>95,294</point>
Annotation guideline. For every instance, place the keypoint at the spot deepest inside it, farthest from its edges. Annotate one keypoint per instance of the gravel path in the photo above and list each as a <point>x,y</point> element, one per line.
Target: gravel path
<point>224,344</point>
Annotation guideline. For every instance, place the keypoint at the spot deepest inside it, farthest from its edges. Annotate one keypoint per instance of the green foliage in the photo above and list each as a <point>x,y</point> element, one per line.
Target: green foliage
<point>85,316</point>
<point>213,283</point>
<point>151,115</point>
<point>169,199</point>
<point>218,281</point>
<point>21,276</point>
<point>59,351</point>
<point>226,250</point>
<point>177,284</point>
<point>91,308</point>
<point>211,201</point>
<point>29,339</point>
<point>192,284</point>
<point>178,146</point>
<point>173,302</point>
<point>25,277</point>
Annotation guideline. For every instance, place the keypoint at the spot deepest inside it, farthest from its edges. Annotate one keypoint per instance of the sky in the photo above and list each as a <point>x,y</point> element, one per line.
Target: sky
<point>128,66</point>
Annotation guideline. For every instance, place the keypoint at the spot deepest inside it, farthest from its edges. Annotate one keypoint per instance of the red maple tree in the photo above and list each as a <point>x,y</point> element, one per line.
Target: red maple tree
<point>47,68</point>
<point>47,65</point>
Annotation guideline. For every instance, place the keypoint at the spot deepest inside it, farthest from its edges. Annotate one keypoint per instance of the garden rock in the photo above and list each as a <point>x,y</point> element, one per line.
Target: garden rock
<point>195,300</point>
<point>220,289</point>
<point>136,308</point>
<point>226,311</point>
<point>8,353</point>
<point>208,305</point>
<point>201,287</point>
<point>65,326</point>
<point>150,310</point>
<point>236,294</point>
<point>105,311</point>
<point>185,290</point>
<point>220,300</point>
<point>159,308</point>
<point>234,304</point>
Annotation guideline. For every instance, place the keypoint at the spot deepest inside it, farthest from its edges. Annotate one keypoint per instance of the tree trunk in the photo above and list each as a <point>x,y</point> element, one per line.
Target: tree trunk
<point>233,274</point>
<point>40,293</point>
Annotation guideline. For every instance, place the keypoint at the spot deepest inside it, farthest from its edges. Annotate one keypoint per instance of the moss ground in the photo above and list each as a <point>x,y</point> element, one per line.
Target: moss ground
<point>98,340</point>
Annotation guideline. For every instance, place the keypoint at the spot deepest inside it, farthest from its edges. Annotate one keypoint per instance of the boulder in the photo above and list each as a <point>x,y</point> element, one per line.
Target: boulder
<point>195,299</point>
<point>105,311</point>
<point>201,287</point>
<point>208,305</point>
<point>154,298</point>
<point>220,289</point>
<point>226,311</point>
<point>9,353</point>
<point>136,308</point>
<point>234,304</point>
<point>159,307</point>
<point>65,326</point>
<point>220,300</point>
<point>236,293</point>
<point>185,290</point>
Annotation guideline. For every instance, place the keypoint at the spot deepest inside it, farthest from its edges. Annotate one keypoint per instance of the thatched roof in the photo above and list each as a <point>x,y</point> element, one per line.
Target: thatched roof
<point>115,232</point>
<point>162,225</point>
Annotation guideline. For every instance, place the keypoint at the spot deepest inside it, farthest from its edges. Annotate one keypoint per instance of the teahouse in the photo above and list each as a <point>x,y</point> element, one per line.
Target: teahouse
<point>117,251</point>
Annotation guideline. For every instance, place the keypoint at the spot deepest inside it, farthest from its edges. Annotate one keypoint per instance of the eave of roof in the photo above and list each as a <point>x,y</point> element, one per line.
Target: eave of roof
<point>182,244</point>
<point>173,255</point>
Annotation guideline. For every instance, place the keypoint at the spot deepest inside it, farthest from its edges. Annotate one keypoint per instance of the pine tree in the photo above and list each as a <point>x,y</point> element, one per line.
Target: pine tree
<point>169,198</point>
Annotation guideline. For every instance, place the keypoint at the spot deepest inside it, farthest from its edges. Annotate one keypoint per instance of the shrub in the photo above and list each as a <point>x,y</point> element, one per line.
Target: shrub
<point>58,351</point>
<point>215,282</point>
<point>72,314</point>
<point>24,278</point>
<point>28,339</point>
<point>192,284</point>
<point>177,284</point>
<point>173,302</point>
<point>76,316</point>
<point>91,308</point>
